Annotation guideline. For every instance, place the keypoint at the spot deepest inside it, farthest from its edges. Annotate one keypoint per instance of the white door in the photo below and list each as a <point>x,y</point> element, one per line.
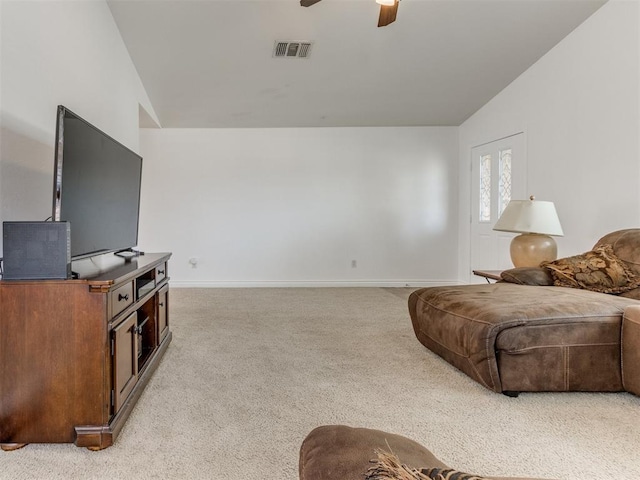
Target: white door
<point>498,174</point>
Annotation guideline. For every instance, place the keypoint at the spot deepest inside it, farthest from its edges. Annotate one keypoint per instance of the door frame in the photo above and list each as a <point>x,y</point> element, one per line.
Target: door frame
<point>470,278</point>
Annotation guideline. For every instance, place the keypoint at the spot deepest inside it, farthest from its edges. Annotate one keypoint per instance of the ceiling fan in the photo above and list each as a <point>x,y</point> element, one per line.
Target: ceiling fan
<point>388,10</point>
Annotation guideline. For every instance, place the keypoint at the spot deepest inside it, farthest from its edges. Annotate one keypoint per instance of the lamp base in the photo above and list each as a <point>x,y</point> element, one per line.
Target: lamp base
<point>531,249</point>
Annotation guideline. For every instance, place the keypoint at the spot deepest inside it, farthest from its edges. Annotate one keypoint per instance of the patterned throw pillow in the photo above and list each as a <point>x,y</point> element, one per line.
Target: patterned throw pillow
<point>599,270</point>
<point>448,474</point>
<point>388,467</point>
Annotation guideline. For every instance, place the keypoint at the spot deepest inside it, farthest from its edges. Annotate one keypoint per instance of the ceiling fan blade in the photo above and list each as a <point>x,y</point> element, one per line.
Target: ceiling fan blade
<point>388,14</point>
<point>308,3</point>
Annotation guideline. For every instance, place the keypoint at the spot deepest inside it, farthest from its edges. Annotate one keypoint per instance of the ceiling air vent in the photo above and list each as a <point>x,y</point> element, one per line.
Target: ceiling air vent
<point>291,49</point>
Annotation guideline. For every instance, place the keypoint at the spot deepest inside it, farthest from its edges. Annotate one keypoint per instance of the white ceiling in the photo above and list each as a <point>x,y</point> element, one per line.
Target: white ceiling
<point>209,63</point>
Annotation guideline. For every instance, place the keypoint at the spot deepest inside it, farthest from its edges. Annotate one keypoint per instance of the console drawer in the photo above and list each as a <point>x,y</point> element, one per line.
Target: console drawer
<point>121,298</point>
<point>161,272</point>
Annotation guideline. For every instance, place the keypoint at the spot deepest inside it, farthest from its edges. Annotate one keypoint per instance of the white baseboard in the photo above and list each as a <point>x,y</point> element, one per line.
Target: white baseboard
<point>312,284</point>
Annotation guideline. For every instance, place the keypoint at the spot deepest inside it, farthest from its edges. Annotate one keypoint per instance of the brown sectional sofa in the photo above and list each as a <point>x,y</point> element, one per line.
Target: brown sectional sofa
<point>515,338</point>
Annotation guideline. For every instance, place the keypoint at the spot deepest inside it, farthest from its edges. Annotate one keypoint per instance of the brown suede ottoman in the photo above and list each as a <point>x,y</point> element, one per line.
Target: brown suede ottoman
<point>516,338</point>
<point>338,452</point>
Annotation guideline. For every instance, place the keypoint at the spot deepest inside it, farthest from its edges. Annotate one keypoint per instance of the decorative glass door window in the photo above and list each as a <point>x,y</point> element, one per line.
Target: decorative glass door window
<point>485,188</point>
<point>504,184</point>
<point>487,181</point>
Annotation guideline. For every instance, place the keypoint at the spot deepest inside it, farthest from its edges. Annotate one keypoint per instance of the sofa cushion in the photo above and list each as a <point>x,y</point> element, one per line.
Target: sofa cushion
<point>635,294</point>
<point>598,270</point>
<point>625,246</point>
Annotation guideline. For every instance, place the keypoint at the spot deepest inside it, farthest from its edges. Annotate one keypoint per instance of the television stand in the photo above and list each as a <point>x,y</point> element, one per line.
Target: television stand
<point>75,355</point>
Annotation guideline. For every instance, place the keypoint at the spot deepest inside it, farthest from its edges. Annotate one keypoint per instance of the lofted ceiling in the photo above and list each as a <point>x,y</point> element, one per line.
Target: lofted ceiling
<point>210,63</point>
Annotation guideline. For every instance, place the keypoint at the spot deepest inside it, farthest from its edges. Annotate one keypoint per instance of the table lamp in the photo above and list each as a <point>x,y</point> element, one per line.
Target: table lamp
<point>536,221</point>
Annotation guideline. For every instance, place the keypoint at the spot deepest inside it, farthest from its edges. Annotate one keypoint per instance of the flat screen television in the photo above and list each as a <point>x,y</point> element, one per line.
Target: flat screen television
<point>96,187</point>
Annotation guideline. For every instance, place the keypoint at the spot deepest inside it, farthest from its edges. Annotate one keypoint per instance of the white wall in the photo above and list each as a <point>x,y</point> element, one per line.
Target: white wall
<point>58,52</point>
<point>579,108</point>
<point>296,206</point>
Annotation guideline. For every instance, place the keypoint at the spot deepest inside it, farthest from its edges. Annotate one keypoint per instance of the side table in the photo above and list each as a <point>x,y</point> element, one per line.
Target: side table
<point>488,274</point>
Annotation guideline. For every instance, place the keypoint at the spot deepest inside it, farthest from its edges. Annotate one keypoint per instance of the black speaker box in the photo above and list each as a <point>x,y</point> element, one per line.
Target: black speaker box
<point>36,250</point>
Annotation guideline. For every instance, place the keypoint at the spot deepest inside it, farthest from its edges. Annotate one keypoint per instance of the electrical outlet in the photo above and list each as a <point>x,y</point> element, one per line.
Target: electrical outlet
<point>354,264</point>
<point>194,262</point>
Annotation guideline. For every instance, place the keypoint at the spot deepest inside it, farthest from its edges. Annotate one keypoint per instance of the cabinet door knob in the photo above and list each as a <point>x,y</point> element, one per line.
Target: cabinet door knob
<point>161,304</point>
<point>123,297</point>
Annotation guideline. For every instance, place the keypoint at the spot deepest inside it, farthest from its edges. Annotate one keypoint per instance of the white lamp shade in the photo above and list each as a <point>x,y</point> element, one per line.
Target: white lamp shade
<point>530,216</point>
<point>388,3</point>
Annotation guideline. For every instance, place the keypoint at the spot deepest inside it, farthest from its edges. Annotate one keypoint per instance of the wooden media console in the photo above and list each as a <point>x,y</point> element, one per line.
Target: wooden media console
<point>75,355</point>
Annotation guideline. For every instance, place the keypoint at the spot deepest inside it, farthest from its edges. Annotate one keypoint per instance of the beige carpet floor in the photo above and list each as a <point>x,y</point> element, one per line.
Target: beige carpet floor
<point>251,371</point>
